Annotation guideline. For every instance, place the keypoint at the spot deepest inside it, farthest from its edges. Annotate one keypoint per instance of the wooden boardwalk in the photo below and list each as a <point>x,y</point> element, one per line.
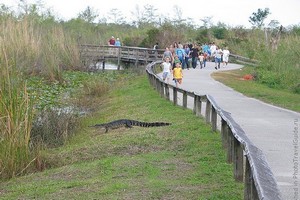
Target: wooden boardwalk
<point>261,139</point>
<point>268,134</point>
<point>92,54</point>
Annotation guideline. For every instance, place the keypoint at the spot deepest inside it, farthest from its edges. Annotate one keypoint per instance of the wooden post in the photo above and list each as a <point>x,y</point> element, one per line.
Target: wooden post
<point>184,100</point>
<point>197,105</point>
<point>119,58</point>
<point>230,146</point>
<point>224,133</point>
<point>248,180</point>
<point>175,96</point>
<point>157,84</point>
<point>167,92</point>
<point>213,119</point>
<point>103,65</point>
<point>136,58</point>
<point>250,192</point>
<point>147,56</point>
<point>208,111</point>
<point>238,160</point>
<point>161,89</point>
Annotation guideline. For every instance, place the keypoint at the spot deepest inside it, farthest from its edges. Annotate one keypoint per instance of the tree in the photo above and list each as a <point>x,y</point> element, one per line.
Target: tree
<point>88,15</point>
<point>207,22</point>
<point>116,16</point>
<point>257,19</point>
<point>219,31</point>
<point>138,15</point>
<point>177,16</point>
<point>4,10</point>
<point>150,15</point>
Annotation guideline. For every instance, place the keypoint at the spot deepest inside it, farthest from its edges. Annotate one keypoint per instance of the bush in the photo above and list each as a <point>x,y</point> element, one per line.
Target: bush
<point>269,78</point>
<point>52,126</point>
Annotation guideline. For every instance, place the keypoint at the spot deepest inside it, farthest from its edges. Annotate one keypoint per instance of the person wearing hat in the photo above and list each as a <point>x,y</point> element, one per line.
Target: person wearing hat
<point>112,41</point>
<point>118,43</point>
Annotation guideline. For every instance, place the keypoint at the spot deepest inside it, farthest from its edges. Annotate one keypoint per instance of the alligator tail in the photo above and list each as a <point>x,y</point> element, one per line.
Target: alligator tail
<point>149,124</point>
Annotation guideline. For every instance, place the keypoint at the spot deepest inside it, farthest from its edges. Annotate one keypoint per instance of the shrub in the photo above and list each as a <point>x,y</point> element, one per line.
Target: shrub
<point>53,126</point>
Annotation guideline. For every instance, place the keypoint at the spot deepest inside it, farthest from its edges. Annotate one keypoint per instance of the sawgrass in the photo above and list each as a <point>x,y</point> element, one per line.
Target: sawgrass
<point>182,161</point>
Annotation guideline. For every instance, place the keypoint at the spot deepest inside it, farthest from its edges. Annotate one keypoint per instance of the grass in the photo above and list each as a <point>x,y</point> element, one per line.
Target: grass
<point>277,97</point>
<point>182,161</point>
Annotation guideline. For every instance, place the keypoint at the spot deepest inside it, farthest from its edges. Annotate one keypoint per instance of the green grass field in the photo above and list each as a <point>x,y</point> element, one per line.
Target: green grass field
<point>182,161</point>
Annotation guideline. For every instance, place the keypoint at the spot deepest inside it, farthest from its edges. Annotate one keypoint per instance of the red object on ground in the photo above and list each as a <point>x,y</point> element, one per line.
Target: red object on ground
<point>248,77</point>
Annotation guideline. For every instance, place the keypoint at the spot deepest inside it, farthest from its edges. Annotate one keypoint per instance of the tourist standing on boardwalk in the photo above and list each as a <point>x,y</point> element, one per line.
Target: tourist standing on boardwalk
<point>156,46</point>
<point>205,57</point>
<point>201,60</point>
<point>212,49</point>
<point>226,54</point>
<point>117,42</point>
<point>180,52</point>
<point>167,68</point>
<point>177,74</point>
<point>187,57</point>
<point>218,58</point>
<point>194,53</point>
<point>176,60</point>
<point>112,41</point>
<point>168,53</point>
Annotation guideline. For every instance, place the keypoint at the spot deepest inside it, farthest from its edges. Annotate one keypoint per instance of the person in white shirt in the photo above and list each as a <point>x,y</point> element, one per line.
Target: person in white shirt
<point>226,54</point>
<point>167,68</point>
<point>212,49</point>
<point>218,57</point>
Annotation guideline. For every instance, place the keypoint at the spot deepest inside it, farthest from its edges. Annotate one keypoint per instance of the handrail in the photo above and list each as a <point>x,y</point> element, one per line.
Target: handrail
<point>249,162</point>
<point>91,54</point>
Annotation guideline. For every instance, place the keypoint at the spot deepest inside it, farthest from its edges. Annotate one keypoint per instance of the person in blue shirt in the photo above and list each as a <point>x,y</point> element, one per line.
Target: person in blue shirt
<point>181,55</point>
<point>187,57</point>
<point>117,42</point>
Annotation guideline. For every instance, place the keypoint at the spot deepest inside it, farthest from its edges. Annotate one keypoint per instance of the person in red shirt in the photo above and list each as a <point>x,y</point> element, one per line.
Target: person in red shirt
<point>112,41</point>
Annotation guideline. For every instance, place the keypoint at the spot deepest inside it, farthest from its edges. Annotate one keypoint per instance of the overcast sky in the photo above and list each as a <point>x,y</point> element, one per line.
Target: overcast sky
<point>230,12</point>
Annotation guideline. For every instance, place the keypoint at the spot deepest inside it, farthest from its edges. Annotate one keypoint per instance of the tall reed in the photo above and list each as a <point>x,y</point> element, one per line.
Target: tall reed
<point>16,115</point>
<point>39,48</point>
<point>28,47</point>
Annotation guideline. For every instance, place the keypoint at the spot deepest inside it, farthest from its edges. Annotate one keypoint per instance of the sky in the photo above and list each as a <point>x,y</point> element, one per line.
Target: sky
<point>230,12</point>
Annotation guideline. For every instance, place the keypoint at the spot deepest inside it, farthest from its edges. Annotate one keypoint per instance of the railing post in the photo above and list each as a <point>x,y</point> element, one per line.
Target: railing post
<point>175,95</point>
<point>197,105</point>
<point>250,192</point>
<point>184,99</point>
<point>119,58</point>
<point>238,160</point>
<point>161,89</point>
<point>213,119</point>
<point>157,84</point>
<point>208,111</point>
<point>167,92</point>
<point>224,132</point>
<point>230,139</point>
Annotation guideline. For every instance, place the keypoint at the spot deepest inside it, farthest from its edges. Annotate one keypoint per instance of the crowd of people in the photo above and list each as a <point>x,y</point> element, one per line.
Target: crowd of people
<point>178,57</point>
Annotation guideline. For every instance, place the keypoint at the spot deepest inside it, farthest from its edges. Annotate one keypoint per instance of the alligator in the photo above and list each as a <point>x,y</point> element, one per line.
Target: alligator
<point>128,124</point>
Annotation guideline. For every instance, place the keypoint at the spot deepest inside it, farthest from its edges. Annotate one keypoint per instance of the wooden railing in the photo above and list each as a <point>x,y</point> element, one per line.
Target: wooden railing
<point>243,60</point>
<point>249,162</point>
<point>92,54</point>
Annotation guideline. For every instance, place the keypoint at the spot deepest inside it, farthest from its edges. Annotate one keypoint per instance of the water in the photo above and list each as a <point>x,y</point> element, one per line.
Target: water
<point>108,66</point>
